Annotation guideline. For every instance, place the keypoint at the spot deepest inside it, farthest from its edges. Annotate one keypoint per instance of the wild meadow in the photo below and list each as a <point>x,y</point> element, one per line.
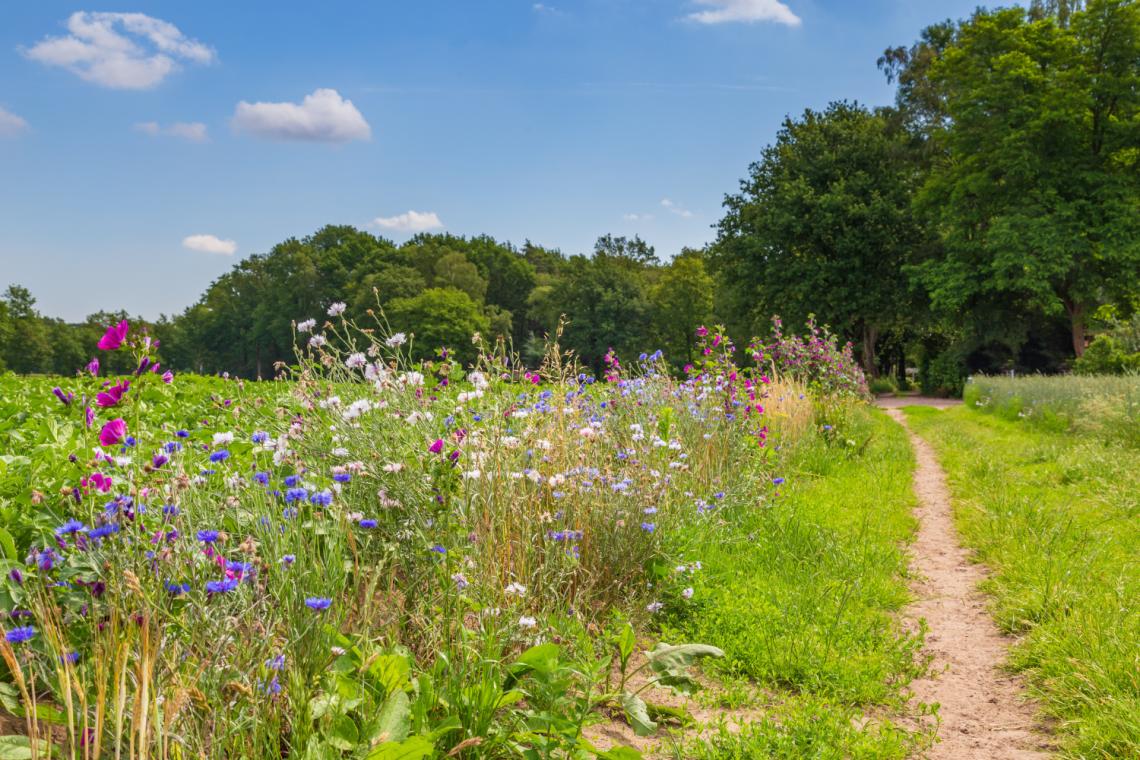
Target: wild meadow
<point>372,557</point>
<point>1045,475</point>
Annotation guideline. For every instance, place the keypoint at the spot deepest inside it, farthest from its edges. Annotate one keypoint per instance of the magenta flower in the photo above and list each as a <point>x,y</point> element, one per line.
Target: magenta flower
<point>93,366</point>
<point>113,432</point>
<point>65,398</point>
<point>168,377</point>
<point>114,336</point>
<point>89,416</point>
<point>436,447</point>
<point>113,395</point>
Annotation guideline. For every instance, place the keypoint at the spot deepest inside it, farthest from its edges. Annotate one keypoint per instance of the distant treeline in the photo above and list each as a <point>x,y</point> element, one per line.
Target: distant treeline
<point>989,220</point>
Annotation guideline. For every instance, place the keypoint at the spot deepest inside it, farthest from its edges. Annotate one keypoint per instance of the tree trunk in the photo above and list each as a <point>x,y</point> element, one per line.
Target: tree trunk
<point>1077,321</point>
<point>870,337</point>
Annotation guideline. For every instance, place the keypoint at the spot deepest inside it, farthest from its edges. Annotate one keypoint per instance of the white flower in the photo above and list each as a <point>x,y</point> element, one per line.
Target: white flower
<point>654,606</point>
<point>478,380</point>
<point>223,438</point>
<point>527,622</point>
<point>397,339</point>
<point>306,326</point>
<point>393,467</point>
<point>515,589</point>
<point>471,475</point>
<point>317,341</point>
<point>337,309</point>
<point>412,379</point>
<point>687,593</point>
<point>355,360</point>
<point>588,433</point>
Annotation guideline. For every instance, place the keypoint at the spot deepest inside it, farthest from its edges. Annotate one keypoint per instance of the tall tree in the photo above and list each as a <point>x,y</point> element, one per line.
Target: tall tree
<point>823,224</point>
<point>1035,193</point>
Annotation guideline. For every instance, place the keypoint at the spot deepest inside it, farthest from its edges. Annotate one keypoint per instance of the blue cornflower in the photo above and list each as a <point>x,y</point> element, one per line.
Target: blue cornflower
<point>321,498</point>
<point>182,434</point>
<point>69,658</point>
<point>342,477</point>
<point>20,635</point>
<point>368,523</point>
<point>777,481</point>
<point>289,513</point>
<point>220,455</point>
<point>439,549</point>
<point>70,527</point>
<point>288,559</point>
<point>104,530</point>
<point>276,663</point>
<point>718,495</point>
<point>170,510</point>
<point>244,568</point>
<point>296,494</point>
<point>262,478</point>
<point>318,603</point>
<point>177,589</point>
<point>648,527</point>
<point>172,447</point>
<point>259,437</point>
<point>291,480</point>
<point>221,587</point>
<point>207,536</point>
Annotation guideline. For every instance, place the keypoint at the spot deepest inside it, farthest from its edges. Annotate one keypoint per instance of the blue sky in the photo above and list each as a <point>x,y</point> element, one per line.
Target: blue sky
<point>143,155</point>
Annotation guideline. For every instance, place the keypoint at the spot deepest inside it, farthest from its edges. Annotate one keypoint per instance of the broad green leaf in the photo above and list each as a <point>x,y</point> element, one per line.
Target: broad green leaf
<point>618,753</point>
<point>392,722</point>
<point>415,748</point>
<point>391,671</point>
<point>671,663</point>
<point>16,748</point>
<point>541,658</point>
<point>8,545</point>
<point>637,714</point>
<point>343,733</point>
<point>627,640</point>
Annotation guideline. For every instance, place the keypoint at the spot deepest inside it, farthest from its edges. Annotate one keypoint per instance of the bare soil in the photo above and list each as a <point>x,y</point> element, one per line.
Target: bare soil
<point>983,712</point>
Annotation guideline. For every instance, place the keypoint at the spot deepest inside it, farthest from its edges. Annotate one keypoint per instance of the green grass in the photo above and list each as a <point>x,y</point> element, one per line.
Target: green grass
<point>800,589</point>
<point>1101,406</point>
<point>1056,517</point>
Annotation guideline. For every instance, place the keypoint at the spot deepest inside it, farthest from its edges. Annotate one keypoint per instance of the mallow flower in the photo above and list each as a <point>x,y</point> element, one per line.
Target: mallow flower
<point>114,336</point>
<point>113,432</point>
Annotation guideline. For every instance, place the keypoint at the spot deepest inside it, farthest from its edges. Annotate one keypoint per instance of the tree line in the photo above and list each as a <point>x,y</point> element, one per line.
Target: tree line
<point>988,220</point>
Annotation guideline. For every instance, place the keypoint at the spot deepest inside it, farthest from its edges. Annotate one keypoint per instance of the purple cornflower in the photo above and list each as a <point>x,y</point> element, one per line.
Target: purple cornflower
<point>221,587</point>
<point>207,536</point>
<point>70,527</point>
<point>648,527</point>
<point>368,523</point>
<point>321,498</point>
<point>318,603</point>
<point>220,455</point>
<point>262,478</point>
<point>342,477</point>
<point>439,549</point>
<point>20,635</point>
<point>259,437</point>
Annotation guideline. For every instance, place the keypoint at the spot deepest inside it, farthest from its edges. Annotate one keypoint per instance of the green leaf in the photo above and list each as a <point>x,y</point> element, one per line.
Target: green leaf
<point>7,544</point>
<point>343,733</point>
<point>15,748</point>
<point>627,640</point>
<point>415,748</point>
<point>392,722</point>
<point>541,658</point>
<point>637,714</point>
<point>391,671</point>
<point>671,663</point>
<point>618,753</point>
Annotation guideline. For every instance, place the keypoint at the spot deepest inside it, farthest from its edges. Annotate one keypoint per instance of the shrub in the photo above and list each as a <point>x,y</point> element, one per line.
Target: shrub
<point>816,360</point>
<point>943,374</point>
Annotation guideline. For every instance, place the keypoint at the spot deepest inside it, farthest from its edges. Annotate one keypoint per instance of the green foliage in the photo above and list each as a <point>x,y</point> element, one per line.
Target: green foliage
<point>823,225</point>
<point>1054,518</point>
<point>439,317</point>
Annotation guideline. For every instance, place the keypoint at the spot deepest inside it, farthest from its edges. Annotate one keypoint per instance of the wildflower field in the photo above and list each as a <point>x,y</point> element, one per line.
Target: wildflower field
<point>371,558</point>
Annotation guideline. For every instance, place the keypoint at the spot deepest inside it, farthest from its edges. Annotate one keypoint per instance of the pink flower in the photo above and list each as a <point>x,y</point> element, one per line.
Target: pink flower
<point>113,395</point>
<point>93,366</point>
<point>436,447</point>
<point>89,416</point>
<point>168,377</point>
<point>113,432</point>
<point>97,481</point>
<point>114,336</point>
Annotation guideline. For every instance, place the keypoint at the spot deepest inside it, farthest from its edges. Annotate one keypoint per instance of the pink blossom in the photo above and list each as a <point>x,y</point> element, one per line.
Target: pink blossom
<point>114,336</point>
<point>93,366</point>
<point>89,416</point>
<point>113,395</point>
<point>436,447</point>
<point>168,377</point>
<point>97,481</point>
<point>113,432</point>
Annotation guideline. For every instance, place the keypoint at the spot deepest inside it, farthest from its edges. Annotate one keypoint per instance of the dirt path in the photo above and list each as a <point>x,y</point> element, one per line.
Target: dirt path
<point>983,712</point>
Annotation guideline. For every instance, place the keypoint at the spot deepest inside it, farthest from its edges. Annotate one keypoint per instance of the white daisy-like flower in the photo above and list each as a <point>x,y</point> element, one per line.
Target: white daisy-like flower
<point>306,326</point>
<point>317,341</point>
<point>687,593</point>
<point>515,589</point>
<point>337,309</point>
<point>397,339</point>
<point>355,360</point>
<point>527,622</point>
<point>654,606</point>
<point>221,439</point>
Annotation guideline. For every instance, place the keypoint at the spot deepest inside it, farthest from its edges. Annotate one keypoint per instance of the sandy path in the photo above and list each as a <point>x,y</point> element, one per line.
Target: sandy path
<point>983,711</point>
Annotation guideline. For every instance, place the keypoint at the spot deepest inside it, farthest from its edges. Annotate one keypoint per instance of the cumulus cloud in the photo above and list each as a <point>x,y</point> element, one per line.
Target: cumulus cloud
<point>209,244</point>
<point>676,210</point>
<point>323,116</point>
<point>412,221</point>
<point>11,124</point>
<point>637,217</point>
<point>127,51</point>
<point>549,10</point>
<point>727,11</point>
<point>194,131</point>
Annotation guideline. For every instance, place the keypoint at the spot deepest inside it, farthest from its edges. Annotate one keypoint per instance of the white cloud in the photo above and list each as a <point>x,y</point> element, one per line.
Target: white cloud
<point>637,217</point>
<point>726,11</point>
<point>323,116</point>
<point>675,209</point>
<point>128,51</point>
<point>11,124</point>
<point>547,9</point>
<point>194,131</point>
<point>412,221</point>
<point>209,244</point>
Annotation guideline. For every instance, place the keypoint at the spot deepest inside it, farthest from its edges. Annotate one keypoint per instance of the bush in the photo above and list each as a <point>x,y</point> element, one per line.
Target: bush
<point>943,374</point>
<point>883,385</point>
<point>816,360</point>
<point>1116,352</point>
